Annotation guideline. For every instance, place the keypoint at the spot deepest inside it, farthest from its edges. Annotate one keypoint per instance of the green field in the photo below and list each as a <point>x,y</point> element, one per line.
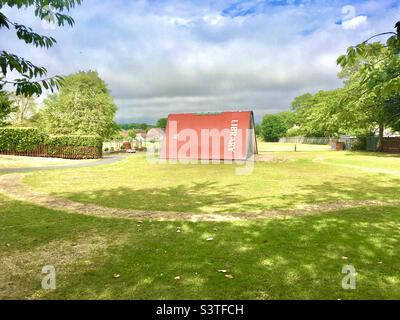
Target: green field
<point>297,257</point>
<point>288,180</point>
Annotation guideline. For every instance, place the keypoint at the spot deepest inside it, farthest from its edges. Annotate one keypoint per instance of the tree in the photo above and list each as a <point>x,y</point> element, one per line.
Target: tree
<point>6,108</point>
<point>143,126</point>
<point>136,126</point>
<point>84,106</point>
<point>372,73</point>
<point>25,109</point>
<point>132,134</point>
<point>162,123</point>
<point>369,99</point>
<point>51,11</point>
<point>274,126</point>
<point>258,130</point>
<point>319,115</point>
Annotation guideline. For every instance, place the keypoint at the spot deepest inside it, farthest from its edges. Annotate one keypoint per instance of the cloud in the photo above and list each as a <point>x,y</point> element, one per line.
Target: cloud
<point>169,56</point>
<point>355,23</point>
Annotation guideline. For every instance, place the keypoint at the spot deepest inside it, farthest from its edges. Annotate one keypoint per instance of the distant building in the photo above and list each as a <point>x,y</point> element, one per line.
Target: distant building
<point>155,134</point>
<point>141,133</point>
<point>124,133</point>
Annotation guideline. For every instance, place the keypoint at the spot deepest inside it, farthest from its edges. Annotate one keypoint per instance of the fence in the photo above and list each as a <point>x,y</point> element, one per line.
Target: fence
<point>391,145</point>
<point>305,140</point>
<point>348,142</point>
<point>45,151</point>
<point>372,143</point>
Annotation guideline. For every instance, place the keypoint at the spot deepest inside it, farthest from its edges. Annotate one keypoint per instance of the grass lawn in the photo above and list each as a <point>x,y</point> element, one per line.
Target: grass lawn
<point>298,258</point>
<point>281,147</point>
<point>289,180</point>
<point>293,258</point>
<point>23,162</point>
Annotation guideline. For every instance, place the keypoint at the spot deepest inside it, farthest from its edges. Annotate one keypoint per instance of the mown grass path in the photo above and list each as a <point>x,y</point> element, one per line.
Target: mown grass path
<point>12,185</point>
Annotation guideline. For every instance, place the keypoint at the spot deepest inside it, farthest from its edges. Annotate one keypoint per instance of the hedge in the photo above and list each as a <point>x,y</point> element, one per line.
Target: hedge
<point>30,141</point>
<point>74,141</point>
<point>20,139</point>
<point>73,145</point>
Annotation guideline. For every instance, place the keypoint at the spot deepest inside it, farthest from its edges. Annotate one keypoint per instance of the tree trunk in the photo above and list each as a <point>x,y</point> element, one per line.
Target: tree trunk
<point>380,143</point>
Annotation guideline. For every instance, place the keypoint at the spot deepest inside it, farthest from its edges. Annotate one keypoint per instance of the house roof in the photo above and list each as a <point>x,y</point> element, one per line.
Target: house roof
<point>141,134</point>
<point>155,133</point>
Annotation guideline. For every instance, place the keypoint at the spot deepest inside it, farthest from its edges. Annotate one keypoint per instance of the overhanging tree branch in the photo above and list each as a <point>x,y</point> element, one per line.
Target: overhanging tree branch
<point>49,10</point>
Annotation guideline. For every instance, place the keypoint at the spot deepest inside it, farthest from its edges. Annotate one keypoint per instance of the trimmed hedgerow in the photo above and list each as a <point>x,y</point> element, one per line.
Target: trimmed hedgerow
<point>74,141</point>
<point>20,139</point>
<point>73,145</point>
<point>32,141</point>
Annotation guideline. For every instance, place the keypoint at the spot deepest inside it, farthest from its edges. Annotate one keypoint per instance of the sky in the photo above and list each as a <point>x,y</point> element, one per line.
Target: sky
<point>169,56</point>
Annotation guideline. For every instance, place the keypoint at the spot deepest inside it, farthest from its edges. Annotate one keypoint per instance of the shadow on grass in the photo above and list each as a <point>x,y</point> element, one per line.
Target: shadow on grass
<point>180,198</point>
<point>210,197</point>
<point>299,258</point>
<point>378,188</point>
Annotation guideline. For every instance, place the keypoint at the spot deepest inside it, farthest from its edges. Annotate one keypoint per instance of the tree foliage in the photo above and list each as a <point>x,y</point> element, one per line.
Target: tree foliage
<point>84,106</point>
<point>6,108</point>
<point>162,123</point>
<point>274,126</point>
<point>369,99</point>
<point>24,109</point>
<point>136,126</point>
<point>20,139</point>
<point>132,134</point>
<point>27,83</point>
<point>319,115</point>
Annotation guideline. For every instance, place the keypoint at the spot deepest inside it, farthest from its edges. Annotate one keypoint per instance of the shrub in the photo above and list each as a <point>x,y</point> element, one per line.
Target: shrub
<point>294,132</point>
<point>28,140</point>
<point>20,139</point>
<point>73,145</point>
<point>361,143</point>
<point>74,141</point>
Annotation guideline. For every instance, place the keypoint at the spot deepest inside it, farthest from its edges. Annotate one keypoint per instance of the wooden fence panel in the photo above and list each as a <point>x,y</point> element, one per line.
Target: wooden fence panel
<point>391,145</point>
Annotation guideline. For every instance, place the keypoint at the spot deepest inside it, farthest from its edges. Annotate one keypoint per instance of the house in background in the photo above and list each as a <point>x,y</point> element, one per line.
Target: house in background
<point>155,134</point>
<point>140,138</point>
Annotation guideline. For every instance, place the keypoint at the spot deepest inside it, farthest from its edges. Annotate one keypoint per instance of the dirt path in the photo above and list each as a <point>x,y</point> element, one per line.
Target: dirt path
<point>12,186</point>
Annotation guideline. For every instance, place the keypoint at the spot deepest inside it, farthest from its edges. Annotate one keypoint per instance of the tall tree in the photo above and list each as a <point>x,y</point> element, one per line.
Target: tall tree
<point>84,106</point>
<point>162,123</point>
<point>274,126</point>
<point>372,72</point>
<point>24,109</point>
<point>319,115</point>
<point>32,78</point>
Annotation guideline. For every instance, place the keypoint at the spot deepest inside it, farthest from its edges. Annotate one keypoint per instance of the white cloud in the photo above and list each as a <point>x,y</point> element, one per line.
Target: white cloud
<point>355,23</point>
<point>177,56</point>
